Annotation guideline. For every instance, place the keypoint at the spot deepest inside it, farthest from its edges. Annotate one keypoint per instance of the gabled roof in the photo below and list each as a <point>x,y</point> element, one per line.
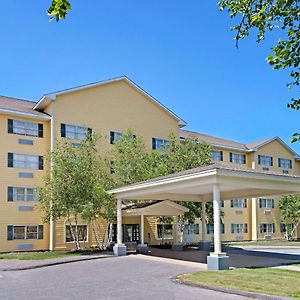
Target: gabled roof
<point>47,98</point>
<point>22,107</point>
<point>229,144</point>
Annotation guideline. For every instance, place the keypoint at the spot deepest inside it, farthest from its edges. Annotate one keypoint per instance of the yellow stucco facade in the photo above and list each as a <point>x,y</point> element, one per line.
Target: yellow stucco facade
<point>112,106</point>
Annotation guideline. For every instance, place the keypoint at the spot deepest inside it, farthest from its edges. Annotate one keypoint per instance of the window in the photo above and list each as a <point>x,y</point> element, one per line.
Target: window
<point>74,131</point>
<point>210,228</point>
<point>238,203</point>
<point>267,228</point>
<point>25,232</point>
<point>25,161</point>
<point>159,144</point>
<point>239,228</point>
<point>165,231</point>
<point>115,137</point>
<point>266,203</point>
<point>217,155</point>
<point>25,128</point>
<point>191,229</point>
<point>82,233</point>
<point>237,158</point>
<point>265,160</point>
<point>286,227</point>
<point>222,203</point>
<point>284,163</point>
<point>21,194</point>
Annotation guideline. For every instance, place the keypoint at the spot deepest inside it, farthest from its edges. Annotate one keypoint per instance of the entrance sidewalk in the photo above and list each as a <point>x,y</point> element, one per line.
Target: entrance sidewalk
<point>17,265</point>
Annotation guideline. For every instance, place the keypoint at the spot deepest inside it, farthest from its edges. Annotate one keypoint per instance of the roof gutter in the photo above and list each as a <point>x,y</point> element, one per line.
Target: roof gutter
<point>24,114</point>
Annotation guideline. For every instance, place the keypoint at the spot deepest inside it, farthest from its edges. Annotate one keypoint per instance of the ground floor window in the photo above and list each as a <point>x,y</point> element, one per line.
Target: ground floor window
<point>191,229</point>
<point>239,228</point>
<point>210,228</point>
<point>267,228</point>
<point>82,233</point>
<point>286,227</point>
<point>165,231</point>
<point>25,232</point>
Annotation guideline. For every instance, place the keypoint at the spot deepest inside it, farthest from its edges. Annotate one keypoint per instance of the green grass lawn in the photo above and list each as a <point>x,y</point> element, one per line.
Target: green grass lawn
<point>265,243</point>
<point>263,280</point>
<point>37,255</point>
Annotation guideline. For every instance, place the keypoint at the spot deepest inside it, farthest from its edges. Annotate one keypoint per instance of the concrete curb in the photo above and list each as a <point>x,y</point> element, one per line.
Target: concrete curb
<point>49,264</point>
<point>228,291</point>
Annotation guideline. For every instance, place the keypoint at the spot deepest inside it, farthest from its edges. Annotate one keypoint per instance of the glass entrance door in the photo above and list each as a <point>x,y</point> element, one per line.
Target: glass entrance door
<point>131,233</point>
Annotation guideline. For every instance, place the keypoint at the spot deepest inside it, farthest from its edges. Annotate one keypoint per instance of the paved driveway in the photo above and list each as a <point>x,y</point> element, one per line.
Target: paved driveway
<point>130,277</point>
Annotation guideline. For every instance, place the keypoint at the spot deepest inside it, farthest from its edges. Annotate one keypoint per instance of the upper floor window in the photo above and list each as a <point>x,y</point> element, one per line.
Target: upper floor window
<point>237,158</point>
<point>115,136</point>
<point>267,228</point>
<point>239,228</point>
<point>217,155</point>
<point>266,203</point>
<point>25,128</point>
<point>21,194</point>
<point>284,163</point>
<point>191,229</point>
<point>265,160</point>
<point>74,131</point>
<point>238,203</point>
<point>159,144</point>
<point>25,232</point>
<point>25,161</point>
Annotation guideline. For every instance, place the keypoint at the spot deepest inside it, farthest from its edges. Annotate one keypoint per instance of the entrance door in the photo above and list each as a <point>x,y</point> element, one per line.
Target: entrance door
<point>131,233</point>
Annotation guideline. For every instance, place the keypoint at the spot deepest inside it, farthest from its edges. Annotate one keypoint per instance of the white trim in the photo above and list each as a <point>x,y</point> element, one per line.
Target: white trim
<point>24,114</point>
<point>52,96</point>
<point>65,233</point>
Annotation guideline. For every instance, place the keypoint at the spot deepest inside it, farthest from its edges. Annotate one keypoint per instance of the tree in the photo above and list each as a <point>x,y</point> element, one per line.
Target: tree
<point>266,16</point>
<point>59,9</point>
<point>290,213</point>
<point>76,186</point>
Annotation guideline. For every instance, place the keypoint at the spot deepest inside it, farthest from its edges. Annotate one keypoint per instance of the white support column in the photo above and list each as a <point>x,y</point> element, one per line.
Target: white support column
<point>119,249</point>
<point>217,219</point>
<point>142,230</point>
<point>217,260</point>
<point>203,216</point>
<point>254,220</point>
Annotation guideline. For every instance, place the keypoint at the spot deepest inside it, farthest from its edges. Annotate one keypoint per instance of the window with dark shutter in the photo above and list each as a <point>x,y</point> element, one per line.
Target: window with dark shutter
<point>41,130</point>
<point>10,194</point>
<point>230,157</point>
<point>40,232</point>
<point>63,130</point>
<point>112,137</point>
<point>10,126</point>
<point>154,143</point>
<point>259,159</point>
<point>10,160</point>
<point>10,232</point>
<point>41,162</point>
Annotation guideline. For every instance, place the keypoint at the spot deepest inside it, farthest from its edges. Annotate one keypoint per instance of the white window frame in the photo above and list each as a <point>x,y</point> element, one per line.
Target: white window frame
<point>238,158</point>
<point>265,160</point>
<point>75,132</point>
<point>26,226</point>
<point>87,233</point>
<point>217,155</point>
<point>15,194</point>
<point>161,144</point>
<point>268,203</point>
<point>237,228</point>
<point>23,161</point>
<point>285,163</point>
<point>25,128</point>
<point>268,227</point>
<point>238,203</point>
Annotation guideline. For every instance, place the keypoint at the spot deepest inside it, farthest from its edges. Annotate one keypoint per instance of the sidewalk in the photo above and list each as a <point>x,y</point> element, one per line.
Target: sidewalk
<point>17,265</point>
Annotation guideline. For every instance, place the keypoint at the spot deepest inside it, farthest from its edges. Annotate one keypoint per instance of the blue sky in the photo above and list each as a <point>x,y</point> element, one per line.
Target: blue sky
<point>181,52</point>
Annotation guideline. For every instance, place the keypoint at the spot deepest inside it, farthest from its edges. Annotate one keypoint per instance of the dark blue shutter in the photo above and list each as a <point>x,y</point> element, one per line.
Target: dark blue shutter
<point>90,131</point>
<point>261,228</point>
<point>245,203</point>
<point>41,162</point>
<point>260,204</point>
<point>230,157</point>
<point>10,194</point>
<point>40,232</point>
<point>273,228</point>
<point>291,164</point>
<point>259,159</point>
<point>112,137</point>
<point>231,203</point>
<point>10,126</point>
<point>63,130</point>
<point>154,143</point>
<point>273,203</point>
<point>221,155</point>
<point>272,161</point>
<point>244,158</point>
<point>41,130</point>
<point>279,163</point>
<point>10,160</point>
<point>10,232</point>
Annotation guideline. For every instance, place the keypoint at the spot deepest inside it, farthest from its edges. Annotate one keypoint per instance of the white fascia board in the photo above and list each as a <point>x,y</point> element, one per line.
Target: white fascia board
<point>24,114</point>
<point>230,148</point>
